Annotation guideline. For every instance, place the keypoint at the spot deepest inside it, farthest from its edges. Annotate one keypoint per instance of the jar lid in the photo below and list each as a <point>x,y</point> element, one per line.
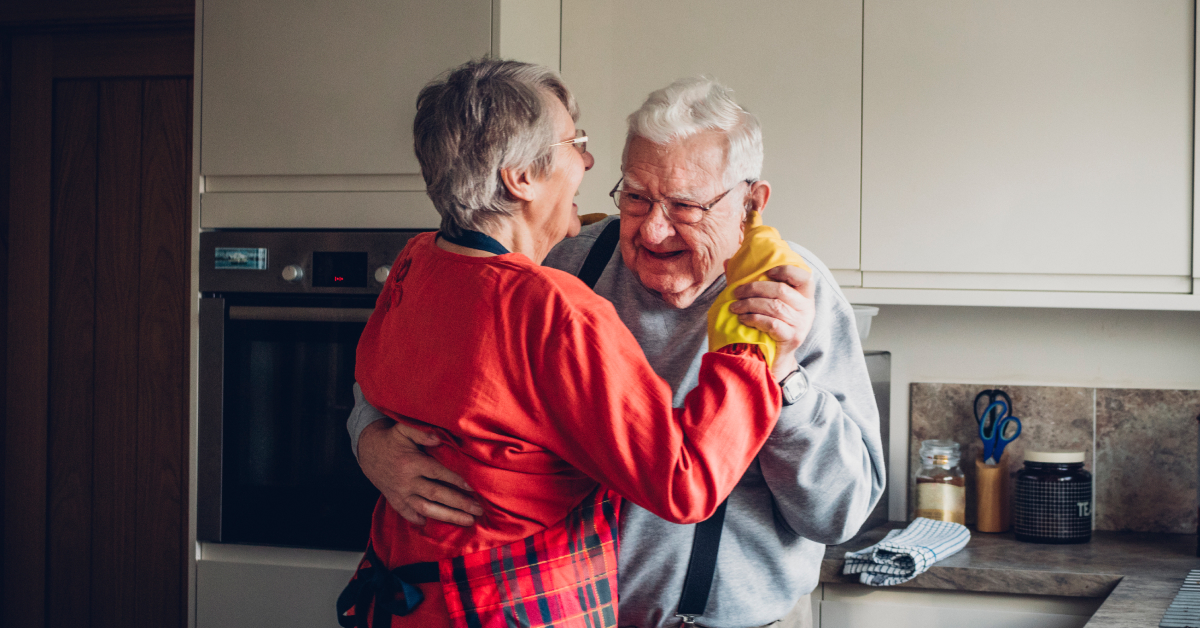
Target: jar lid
<point>939,447</point>
<point>1054,456</point>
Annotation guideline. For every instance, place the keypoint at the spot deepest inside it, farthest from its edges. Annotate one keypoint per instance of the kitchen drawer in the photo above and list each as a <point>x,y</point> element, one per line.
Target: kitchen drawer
<point>853,605</point>
<point>240,586</point>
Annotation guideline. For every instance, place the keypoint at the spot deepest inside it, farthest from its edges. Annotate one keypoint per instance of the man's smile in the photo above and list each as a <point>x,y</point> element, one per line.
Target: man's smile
<point>665,255</point>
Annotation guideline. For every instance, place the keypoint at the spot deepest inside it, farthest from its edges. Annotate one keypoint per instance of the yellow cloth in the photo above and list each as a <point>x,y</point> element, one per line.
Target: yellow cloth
<point>762,249</point>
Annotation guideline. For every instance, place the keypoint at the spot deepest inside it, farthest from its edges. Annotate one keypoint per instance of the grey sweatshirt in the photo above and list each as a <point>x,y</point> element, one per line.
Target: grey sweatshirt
<point>814,482</point>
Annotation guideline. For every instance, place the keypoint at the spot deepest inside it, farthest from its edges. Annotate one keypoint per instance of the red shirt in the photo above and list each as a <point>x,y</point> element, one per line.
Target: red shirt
<point>538,393</point>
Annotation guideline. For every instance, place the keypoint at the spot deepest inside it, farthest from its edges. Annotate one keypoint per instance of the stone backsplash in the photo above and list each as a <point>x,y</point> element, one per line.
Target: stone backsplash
<point>1140,445</point>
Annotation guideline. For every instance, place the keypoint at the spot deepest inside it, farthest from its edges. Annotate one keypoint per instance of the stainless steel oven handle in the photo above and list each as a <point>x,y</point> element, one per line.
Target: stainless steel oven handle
<point>308,314</point>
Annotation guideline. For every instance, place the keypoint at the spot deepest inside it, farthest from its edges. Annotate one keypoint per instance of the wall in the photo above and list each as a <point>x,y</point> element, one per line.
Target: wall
<point>1061,347</point>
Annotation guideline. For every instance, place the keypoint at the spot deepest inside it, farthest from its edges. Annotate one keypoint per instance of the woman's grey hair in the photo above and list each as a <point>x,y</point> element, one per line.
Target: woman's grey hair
<point>477,119</point>
<point>691,105</point>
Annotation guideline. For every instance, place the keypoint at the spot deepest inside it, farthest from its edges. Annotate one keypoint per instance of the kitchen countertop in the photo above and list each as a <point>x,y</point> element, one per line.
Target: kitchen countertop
<point>1139,573</point>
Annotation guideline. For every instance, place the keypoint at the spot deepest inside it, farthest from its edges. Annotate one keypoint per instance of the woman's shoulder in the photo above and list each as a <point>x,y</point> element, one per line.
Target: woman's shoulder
<point>566,294</point>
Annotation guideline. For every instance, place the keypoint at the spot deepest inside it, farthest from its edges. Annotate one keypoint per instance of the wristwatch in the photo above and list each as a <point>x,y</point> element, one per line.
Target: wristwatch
<point>794,386</point>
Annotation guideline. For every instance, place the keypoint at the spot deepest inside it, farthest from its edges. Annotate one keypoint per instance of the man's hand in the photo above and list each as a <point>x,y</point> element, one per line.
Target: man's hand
<point>783,308</point>
<point>414,484</point>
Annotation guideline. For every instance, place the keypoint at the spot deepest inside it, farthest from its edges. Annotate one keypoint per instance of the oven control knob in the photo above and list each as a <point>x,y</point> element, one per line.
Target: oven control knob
<point>293,272</point>
<point>381,273</point>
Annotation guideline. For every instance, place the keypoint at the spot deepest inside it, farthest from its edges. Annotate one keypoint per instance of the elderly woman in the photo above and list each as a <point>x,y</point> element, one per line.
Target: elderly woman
<point>544,401</point>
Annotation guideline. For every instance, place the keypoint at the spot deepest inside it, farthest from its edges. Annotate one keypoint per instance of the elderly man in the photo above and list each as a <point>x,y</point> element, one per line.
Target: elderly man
<point>691,170</point>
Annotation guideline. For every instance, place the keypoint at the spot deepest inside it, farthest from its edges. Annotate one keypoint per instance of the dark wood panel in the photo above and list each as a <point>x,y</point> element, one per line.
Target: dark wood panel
<point>118,206</point>
<point>163,332</point>
<point>92,12</point>
<point>5,151</point>
<point>125,54</point>
<point>72,355</point>
<point>29,267</point>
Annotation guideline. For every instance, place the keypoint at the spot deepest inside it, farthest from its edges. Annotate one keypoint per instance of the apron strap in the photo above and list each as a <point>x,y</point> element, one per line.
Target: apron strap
<point>475,240</point>
<point>390,592</point>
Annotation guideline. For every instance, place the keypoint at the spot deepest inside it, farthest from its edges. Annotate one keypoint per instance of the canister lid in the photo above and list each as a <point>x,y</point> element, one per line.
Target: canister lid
<point>1054,456</point>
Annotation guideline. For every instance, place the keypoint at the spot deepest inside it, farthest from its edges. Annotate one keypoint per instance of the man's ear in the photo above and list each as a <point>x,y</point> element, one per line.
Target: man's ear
<point>519,183</point>
<point>757,197</point>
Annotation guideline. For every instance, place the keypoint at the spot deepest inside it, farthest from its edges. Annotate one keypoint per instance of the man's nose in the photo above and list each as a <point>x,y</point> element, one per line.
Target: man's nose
<point>588,161</point>
<point>656,227</point>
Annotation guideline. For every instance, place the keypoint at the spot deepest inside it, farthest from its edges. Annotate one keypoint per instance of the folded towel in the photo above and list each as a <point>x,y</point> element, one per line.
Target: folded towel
<point>905,554</point>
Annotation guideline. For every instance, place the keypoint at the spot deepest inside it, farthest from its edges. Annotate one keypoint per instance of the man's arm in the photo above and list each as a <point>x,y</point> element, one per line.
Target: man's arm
<point>824,461</point>
<point>414,484</point>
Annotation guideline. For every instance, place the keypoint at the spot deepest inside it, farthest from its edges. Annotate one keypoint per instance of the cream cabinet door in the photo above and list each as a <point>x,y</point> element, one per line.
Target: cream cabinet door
<point>306,109</point>
<point>325,87</point>
<point>857,606</point>
<point>243,586</point>
<point>796,65</point>
<point>1028,145</point>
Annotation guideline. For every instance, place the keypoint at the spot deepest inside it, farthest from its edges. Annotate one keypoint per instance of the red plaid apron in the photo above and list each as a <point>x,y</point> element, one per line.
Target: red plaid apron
<point>564,576</point>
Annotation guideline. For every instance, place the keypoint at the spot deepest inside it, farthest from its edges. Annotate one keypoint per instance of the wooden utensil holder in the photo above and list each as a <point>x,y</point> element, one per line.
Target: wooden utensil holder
<point>991,496</point>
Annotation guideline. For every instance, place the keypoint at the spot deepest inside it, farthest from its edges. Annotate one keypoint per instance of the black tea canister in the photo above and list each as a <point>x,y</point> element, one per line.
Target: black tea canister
<point>1053,498</point>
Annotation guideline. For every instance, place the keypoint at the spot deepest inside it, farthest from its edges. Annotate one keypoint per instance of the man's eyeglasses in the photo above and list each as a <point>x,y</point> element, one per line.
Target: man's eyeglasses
<point>579,143</point>
<point>681,212</point>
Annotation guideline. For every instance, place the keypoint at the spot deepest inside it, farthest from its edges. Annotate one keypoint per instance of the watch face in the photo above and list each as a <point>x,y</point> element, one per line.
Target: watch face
<point>794,386</point>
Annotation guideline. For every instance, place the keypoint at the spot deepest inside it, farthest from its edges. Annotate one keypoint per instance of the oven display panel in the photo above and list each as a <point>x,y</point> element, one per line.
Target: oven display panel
<point>230,258</point>
<point>331,270</point>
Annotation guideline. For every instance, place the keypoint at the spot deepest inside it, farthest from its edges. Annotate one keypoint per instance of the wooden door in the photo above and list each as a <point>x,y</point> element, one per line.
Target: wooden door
<point>95,469</point>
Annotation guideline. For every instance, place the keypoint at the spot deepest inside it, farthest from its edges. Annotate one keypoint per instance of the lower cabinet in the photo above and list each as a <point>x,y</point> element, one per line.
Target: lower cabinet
<point>860,606</point>
<point>245,586</point>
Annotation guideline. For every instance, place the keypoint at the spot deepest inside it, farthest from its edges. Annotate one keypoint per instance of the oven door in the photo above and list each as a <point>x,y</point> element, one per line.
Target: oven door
<point>275,466</point>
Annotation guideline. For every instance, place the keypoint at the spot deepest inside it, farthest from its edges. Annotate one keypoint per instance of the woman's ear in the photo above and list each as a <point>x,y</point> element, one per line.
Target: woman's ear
<point>520,183</point>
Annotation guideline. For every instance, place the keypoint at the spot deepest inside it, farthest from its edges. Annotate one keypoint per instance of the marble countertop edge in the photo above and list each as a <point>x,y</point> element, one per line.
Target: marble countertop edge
<point>1137,574</point>
<point>994,580</point>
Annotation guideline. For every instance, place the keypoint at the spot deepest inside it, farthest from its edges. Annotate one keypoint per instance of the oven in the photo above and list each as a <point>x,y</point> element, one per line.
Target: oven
<point>281,313</point>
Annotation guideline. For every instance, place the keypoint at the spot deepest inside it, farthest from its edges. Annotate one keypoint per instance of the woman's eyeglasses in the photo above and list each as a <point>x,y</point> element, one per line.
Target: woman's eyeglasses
<point>579,143</point>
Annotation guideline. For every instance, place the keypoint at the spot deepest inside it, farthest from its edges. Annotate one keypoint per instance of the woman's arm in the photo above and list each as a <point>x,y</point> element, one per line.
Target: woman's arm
<point>609,415</point>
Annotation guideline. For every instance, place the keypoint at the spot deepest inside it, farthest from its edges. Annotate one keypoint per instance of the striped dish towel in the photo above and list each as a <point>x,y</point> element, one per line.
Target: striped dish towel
<point>905,554</point>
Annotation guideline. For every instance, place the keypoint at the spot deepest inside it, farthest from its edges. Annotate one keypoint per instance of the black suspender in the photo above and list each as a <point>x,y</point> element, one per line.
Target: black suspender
<point>703,562</point>
<point>701,567</point>
<point>601,252</point>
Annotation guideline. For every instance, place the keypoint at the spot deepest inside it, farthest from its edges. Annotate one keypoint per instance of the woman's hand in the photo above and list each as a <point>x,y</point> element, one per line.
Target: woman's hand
<point>783,308</point>
<point>414,484</point>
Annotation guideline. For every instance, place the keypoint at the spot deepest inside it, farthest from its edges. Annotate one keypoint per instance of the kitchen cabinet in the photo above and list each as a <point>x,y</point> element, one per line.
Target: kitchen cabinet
<point>1027,146</point>
<point>930,152</point>
<point>306,109</point>
<point>796,65</point>
<point>853,605</point>
<point>245,586</point>
<point>937,152</point>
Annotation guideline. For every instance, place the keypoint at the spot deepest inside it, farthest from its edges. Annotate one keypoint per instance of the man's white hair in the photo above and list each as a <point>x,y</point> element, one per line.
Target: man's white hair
<point>695,104</point>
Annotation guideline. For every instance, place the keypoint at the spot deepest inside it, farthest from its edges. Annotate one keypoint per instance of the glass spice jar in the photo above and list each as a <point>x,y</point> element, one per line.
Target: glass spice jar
<point>941,487</point>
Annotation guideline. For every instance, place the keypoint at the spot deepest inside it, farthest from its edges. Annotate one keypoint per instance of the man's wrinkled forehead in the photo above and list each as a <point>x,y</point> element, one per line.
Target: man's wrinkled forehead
<point>652,171</point>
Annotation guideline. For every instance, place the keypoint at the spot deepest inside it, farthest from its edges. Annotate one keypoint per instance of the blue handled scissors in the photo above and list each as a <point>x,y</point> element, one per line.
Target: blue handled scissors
<point>994,422</point>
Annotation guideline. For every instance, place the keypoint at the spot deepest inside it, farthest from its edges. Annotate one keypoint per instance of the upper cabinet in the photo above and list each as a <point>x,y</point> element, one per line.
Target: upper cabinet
<point>796,65</point>
<point>306,109</point>
<point>1026,146</point>
<point>936,152</point>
